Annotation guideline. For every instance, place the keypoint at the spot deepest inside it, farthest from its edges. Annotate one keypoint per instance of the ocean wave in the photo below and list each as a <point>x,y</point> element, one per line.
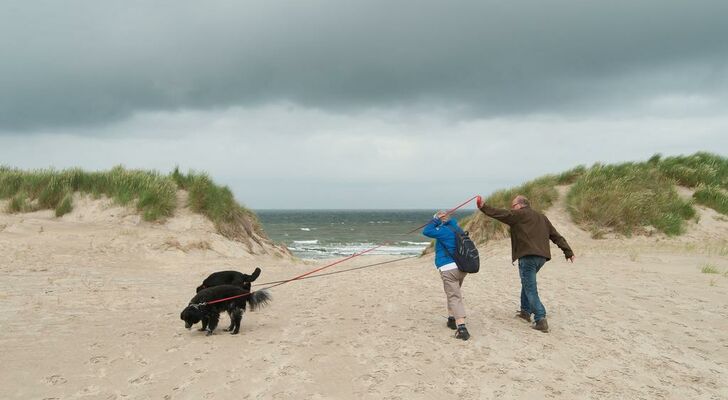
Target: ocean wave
<point>308,250</point>
<point>306,229</point>
<point>305,241</point>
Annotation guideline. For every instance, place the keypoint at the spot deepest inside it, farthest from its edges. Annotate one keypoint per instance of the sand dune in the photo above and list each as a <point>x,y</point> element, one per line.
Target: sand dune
<point>90,309</point>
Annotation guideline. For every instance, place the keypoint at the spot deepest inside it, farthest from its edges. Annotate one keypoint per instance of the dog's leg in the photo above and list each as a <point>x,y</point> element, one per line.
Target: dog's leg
<point>212,324</point>
<point>235,318</point>
<point>204,323</point>
<point>232,323</point>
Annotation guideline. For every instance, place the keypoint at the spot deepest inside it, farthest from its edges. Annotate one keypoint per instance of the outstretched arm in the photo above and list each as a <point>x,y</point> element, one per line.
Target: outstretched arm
<point>501,214</point>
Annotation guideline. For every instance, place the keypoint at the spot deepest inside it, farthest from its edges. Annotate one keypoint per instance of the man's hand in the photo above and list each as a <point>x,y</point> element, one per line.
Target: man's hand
<point>479,201</point>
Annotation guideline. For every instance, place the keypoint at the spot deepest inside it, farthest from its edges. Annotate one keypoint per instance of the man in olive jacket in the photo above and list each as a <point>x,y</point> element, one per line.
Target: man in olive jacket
<point>530,234</point>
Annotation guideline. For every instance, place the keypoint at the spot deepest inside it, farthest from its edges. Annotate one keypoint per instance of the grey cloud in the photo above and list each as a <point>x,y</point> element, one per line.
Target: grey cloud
<point>85,63</point>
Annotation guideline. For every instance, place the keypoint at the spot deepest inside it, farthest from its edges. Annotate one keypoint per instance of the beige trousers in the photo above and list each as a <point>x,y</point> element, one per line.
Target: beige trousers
<point>452,280</point>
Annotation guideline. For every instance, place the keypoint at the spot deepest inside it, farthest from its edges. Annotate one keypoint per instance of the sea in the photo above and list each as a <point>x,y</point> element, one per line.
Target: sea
<point>317,234</point>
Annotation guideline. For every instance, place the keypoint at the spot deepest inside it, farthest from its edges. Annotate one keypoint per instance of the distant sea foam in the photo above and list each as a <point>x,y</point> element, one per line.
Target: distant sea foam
<point>340,233</point>
<point>314,250</point>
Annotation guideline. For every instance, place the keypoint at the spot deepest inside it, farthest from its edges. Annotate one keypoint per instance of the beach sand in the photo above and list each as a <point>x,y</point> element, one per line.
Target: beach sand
<point>90,303</point>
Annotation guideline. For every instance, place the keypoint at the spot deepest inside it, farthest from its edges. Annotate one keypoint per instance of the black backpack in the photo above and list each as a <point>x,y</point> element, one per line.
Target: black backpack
<point>466,254</point>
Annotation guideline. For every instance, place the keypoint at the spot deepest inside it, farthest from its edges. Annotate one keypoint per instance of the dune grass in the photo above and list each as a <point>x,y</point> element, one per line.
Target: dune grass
<point>695,170</point>
<point>713,197</point>
<point>153,194</point>
<point>709,269</point>
<point>51,189</point>
<point>627,197</point>
<point>706,172</point>
<point>218,204</point>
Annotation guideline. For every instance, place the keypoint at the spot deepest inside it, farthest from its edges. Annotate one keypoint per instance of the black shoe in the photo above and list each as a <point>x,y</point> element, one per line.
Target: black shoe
<point>462,333</point>
<point>451,323</point>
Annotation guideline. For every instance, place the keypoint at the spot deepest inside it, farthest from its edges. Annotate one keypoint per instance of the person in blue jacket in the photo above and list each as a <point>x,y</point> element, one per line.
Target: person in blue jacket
<point>443,228</point>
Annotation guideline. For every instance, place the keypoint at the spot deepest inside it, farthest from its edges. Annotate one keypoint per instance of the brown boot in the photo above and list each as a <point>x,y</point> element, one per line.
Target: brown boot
<point>524,315</point>
<point>541,325</point>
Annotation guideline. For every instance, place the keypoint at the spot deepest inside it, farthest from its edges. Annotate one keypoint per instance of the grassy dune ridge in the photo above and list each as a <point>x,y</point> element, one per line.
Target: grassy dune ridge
<point>706,173</point>
<point>153,194</point>
<point>541,192</point>
<point>627,198</point>
<point>218,203</point>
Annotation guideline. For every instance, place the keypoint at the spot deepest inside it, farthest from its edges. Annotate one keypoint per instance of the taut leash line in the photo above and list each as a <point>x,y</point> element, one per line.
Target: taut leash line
<point>303,276</point>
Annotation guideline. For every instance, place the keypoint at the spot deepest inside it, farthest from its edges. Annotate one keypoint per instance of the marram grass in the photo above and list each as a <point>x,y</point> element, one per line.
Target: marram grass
<point>51,189</point>
<point>709,269</point>
<point>713,197</point>
<point>624,198</point>
<point>218,204</point>
<point>706,172</point>
<point>153,194</point>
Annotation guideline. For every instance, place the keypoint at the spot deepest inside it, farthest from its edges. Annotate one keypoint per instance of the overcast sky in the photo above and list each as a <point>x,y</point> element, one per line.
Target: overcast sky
<point>368,104</point>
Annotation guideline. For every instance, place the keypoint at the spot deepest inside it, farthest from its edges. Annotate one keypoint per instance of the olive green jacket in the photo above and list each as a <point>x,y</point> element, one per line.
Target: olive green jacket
<point>530,232</point>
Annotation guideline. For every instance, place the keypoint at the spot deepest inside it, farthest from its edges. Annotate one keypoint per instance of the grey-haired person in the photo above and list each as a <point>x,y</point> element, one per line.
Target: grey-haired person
<point>442,228</point>
<point>530,235</point>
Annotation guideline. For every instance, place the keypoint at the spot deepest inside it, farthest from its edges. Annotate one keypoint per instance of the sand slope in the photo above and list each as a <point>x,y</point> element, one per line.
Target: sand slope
<point>90,307</point>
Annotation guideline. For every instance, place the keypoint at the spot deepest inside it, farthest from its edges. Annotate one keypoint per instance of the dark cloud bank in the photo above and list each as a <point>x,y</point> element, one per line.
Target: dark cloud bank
<point>70,64</point>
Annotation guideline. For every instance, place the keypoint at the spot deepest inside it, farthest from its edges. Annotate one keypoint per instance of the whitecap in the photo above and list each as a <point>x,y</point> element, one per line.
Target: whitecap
<point>305,241</point>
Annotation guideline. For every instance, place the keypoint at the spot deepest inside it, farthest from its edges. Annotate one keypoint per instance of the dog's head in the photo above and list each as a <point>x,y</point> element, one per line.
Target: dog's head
<point>191,315</point>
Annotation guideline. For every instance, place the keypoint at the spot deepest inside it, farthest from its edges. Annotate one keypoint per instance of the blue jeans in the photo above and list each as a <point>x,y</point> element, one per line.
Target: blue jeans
<point>528,267</point>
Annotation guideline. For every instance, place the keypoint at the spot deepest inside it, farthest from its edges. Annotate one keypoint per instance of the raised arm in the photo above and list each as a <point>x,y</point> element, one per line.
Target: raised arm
<point>501,214</point>
<point>432,229</point>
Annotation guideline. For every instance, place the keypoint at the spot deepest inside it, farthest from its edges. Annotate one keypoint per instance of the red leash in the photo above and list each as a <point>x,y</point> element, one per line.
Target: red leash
<point>447,213</point>
<point>333,263</point>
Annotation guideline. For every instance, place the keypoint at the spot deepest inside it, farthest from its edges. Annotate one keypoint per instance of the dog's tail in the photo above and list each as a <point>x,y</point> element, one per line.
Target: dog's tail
<point>259,299</point>
<point>255,275</point>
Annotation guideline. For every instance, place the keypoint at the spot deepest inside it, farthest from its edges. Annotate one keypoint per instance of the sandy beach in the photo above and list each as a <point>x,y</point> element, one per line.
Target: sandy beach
<point>90,307</point>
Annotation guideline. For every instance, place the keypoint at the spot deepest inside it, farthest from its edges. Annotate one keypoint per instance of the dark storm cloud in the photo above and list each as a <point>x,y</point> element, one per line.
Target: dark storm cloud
<point>84,63</point>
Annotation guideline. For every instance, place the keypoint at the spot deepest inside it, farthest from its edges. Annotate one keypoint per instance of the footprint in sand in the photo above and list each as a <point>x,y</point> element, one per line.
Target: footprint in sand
<point>55,380</point>
<point>89,391</point>
<point>141,361</point>
<point>142,380</point>
<point>97,359</point>
<point>375,378</point>
<point>287,370</point>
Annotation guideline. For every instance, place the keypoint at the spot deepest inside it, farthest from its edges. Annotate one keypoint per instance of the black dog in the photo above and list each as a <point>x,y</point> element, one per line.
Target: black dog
<point>229,278</point>
<point>199,309</point>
